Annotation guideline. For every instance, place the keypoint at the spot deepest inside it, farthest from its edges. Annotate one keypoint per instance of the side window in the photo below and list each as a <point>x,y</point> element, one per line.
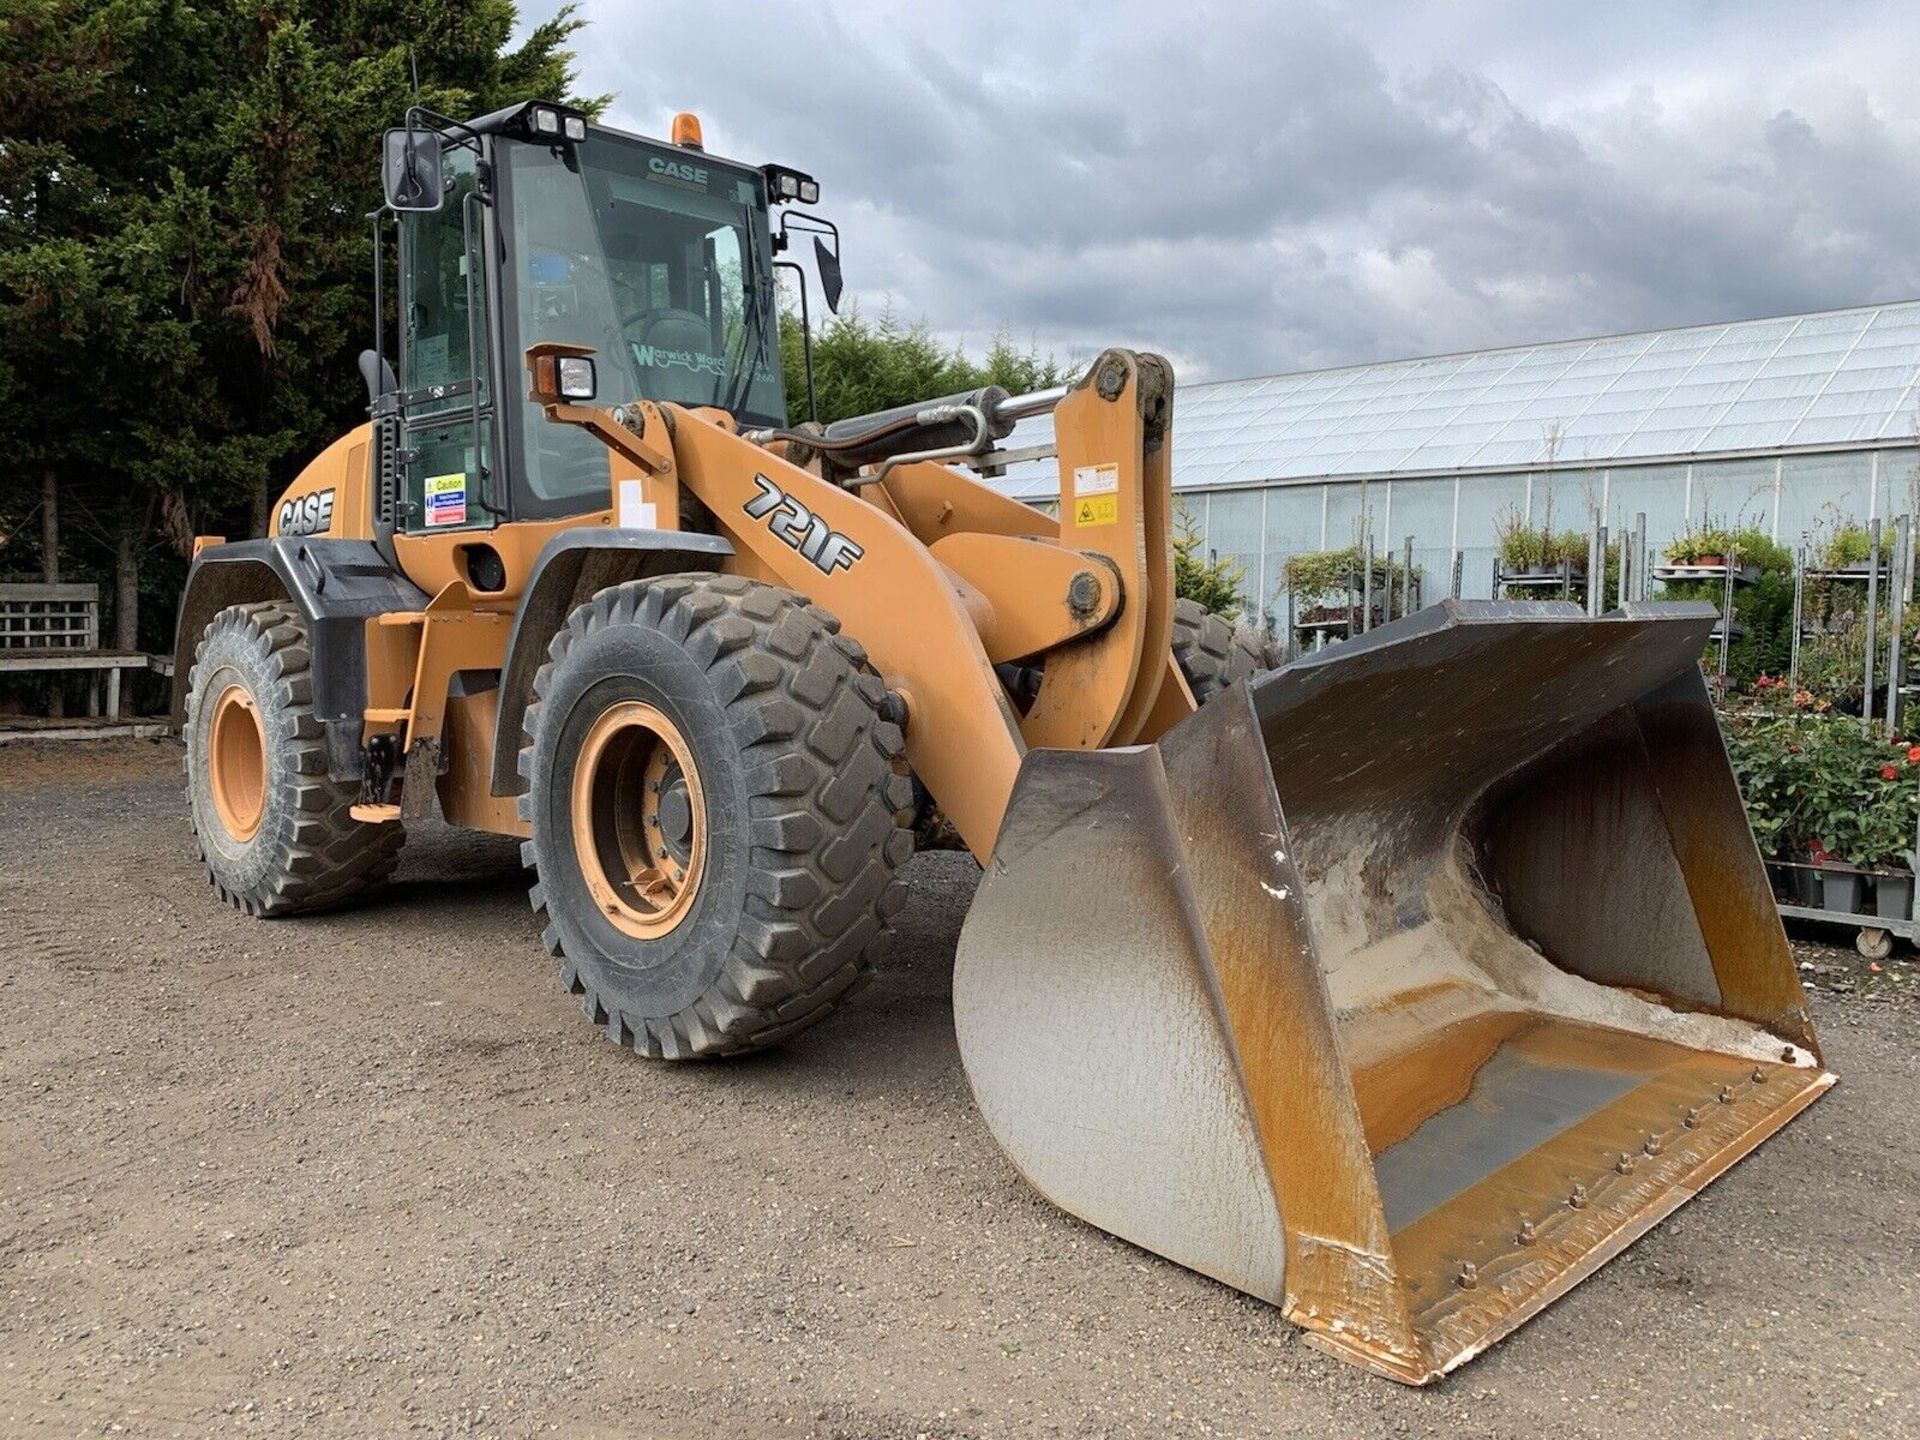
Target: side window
<point>444,367</point>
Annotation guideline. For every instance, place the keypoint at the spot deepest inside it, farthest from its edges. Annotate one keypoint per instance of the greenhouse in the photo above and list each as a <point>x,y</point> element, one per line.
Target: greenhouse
<point>1802,428</point>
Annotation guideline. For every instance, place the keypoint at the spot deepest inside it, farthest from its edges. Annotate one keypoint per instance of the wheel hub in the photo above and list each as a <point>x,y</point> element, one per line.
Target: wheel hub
<point>237,763</point>
<point>638,820</point>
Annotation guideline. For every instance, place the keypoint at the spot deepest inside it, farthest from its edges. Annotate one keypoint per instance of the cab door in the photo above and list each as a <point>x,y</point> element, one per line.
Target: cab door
<point>449,435</point>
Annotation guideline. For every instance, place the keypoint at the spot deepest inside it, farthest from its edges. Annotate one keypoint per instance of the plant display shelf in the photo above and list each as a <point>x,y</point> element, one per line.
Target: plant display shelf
<point>1742,575</point>
<point>1339,623</point>
<point>1873,932</point>
<point>1857,573</point>
<point>1542,579</point>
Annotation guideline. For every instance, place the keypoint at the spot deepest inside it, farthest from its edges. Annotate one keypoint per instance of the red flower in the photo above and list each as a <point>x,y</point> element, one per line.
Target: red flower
<point>1887,772</point>
<point>1793,749</point>
<point>1913,754</point>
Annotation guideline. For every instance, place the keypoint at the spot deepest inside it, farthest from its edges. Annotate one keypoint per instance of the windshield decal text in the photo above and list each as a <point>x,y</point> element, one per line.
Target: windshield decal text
<point>679,170</point>
<point>794,524</point>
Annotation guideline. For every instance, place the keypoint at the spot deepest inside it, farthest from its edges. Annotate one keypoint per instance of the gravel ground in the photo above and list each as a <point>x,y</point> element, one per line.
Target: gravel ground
<point>371,1173</point>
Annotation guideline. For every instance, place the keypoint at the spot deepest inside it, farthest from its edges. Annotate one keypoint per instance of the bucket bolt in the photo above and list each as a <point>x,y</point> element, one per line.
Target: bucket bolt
<point>1759,1075</point>
<point>1726,1094</point>
<point>1527,1233</point>
<point>1468,1277</point>
<point>1787,1055</point>
<point>1578,1199</point>
<point>1654,1145</point>
<point>1693,1116</point>
<point>1625,1163</point>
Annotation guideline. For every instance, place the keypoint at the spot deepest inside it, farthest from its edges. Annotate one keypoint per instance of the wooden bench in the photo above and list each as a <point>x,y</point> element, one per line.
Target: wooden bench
<point>53,628</point>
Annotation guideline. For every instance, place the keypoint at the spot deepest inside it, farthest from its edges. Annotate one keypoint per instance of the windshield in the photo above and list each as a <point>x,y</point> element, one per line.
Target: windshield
<point>656,257</point>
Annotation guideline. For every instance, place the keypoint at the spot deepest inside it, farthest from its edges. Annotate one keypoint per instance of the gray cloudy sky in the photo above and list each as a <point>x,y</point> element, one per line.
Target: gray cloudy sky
<point>1275,186</point>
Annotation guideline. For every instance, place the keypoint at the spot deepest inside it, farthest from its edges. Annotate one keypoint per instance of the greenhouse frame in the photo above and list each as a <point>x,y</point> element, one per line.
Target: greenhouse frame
<point>1796,426</point>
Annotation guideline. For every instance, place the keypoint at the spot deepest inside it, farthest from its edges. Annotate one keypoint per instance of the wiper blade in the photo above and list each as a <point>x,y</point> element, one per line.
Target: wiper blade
<point>752,324</point>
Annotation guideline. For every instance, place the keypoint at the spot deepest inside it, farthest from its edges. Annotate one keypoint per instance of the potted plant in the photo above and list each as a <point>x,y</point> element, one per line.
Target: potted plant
<point>1849,547</point>
<point>1701,549</point>
<point>1537,554</point>
<point>1860,798</point>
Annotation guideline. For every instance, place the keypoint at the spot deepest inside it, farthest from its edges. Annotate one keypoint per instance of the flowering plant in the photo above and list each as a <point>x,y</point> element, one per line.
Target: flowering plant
<point>1822,785</point>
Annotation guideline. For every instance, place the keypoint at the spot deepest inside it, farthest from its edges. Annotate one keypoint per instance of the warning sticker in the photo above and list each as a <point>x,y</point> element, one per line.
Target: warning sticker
<point>1097,510</point>
<point>446,499</point>
<point>1096,479</point>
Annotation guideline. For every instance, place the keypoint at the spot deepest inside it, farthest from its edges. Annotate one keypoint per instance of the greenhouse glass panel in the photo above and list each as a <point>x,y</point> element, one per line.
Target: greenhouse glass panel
<point>1422,509</point>
<point>1657,491</point>
<point>1233,521</point>
<point>1900,482</point>
<point>1233,534</point>
<point>1836,429</point>
<point>1566,499</point>
<point>1292,528</point>
<point>1486,502</point>
<point>1343,513</point>
<point>1733,495</point>
<point>1820,494</point>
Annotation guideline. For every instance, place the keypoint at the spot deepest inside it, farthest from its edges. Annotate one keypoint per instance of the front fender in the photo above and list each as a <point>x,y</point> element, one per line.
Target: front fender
<point>574,566</point>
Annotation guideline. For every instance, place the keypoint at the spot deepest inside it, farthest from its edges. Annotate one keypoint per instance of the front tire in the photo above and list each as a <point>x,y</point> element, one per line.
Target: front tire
<point>1211,651</point>
<point>275,834</point>
<point>718,804</point>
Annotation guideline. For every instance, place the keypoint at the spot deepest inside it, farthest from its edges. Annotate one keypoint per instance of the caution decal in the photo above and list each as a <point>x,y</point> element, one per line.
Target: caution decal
<point>1096,510</point>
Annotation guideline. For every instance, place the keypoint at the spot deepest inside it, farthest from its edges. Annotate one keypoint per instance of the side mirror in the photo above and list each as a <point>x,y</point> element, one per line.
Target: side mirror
<point>561,374</point>
<point>828,263</point>
<point>410,169</point>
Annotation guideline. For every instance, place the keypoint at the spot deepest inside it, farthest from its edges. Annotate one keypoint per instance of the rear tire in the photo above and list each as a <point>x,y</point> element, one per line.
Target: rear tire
<point>1212,652</point>
<point>276,835</point>
<point>718,806</point>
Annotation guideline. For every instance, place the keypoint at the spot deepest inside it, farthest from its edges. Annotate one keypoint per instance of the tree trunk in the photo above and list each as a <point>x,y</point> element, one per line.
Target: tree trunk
<point>49,528</point>
<point>126,590</point>
<point>262,508</point>
<point>50,573</point>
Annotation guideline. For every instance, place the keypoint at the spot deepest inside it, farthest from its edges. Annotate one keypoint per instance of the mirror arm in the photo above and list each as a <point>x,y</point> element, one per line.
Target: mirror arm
<point>379,291</point>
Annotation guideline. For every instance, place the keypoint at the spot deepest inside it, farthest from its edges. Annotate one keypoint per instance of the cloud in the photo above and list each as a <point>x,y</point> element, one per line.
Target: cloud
<point>1273,187</point>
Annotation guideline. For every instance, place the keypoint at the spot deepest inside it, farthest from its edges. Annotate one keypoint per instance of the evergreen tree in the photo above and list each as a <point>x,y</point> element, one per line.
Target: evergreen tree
<point>185,254</point>
<point>860,366</point>
<point>1216,584</point>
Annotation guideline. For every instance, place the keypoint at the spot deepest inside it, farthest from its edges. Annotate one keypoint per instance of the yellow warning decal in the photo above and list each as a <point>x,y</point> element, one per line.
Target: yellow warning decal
<point>1096,510</point>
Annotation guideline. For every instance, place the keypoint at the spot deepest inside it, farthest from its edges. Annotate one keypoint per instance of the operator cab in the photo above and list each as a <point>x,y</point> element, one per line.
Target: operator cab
<point>549,228</point>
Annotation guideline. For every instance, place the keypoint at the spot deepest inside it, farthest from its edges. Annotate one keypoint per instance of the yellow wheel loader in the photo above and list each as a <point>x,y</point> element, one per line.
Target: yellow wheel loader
<point>1401,986</point>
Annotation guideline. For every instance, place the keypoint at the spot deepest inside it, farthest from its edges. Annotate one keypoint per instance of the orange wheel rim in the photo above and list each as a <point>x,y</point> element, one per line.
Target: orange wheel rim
<point>237,747</point>
<point>639,820</point>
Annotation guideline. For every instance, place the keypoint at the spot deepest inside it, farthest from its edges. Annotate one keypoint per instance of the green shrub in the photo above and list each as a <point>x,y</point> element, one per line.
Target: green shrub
<point>1819,783</point>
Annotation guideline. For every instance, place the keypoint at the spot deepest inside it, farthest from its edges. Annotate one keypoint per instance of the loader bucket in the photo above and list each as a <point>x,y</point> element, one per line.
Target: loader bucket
<point>1402,987</point>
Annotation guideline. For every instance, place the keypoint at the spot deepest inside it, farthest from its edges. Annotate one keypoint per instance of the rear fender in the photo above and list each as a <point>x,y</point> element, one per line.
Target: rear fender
<point>335,585</point>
